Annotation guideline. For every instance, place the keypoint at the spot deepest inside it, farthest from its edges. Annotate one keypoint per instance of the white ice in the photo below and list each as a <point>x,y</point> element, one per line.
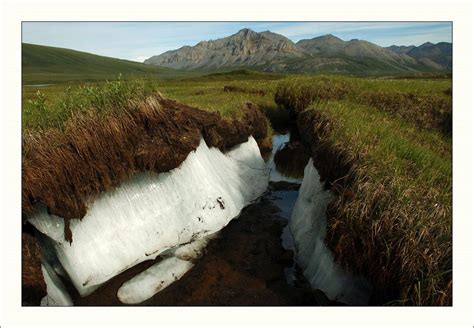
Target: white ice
<point>153,280</point>
<point>56,292</point>
<point>308,226</point>
<point>193,250</point>
<point>157,277</point>
<point>154,212</point>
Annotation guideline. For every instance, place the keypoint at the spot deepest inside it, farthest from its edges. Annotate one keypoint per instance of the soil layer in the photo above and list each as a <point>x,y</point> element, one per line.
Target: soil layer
<point>33,284</point>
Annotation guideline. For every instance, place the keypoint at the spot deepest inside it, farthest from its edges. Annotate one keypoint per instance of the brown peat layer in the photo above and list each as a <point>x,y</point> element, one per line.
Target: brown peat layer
<point>244,265</point>
<point>65,169</point>
<point>33,287</point>
<point>398,237</point>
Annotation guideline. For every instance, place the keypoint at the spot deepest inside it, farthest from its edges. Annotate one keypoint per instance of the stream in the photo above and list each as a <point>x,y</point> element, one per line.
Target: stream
<point>293,156</point>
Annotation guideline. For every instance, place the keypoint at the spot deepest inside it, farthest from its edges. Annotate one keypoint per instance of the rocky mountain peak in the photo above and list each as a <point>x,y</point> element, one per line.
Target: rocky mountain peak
<point>246,31</point>
<point>274,52</point>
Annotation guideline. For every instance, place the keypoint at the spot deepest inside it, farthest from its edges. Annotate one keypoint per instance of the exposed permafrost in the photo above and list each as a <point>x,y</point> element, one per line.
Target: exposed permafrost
<point>153,280</point>
<point>56,292</point>
<point>308,226</point>
<point>178,261</point>
<point>155,212</point>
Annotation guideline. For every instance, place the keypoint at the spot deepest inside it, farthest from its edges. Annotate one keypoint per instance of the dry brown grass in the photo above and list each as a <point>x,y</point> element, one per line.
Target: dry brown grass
<point>64,169</point>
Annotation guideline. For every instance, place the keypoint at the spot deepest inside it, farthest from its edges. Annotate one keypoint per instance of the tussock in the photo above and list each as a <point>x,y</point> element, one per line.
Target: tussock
<point>448,92</point>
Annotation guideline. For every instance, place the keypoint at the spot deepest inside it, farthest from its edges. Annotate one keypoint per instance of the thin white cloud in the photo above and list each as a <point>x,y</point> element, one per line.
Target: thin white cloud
<point>318,28</point>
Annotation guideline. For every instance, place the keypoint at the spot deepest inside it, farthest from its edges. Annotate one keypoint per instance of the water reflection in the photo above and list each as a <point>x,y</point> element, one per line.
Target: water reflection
<point>291,159</point>
<point>285,200</point>
<point>286,163</point>
<point>287,159</point>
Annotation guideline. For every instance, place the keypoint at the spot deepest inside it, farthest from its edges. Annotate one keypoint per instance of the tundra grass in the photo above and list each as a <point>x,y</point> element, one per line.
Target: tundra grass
<point>427,103</point>
<point>392,219</point>
<point>401,211</point>
<point>50,105</point>
<point>211,95</point>
<point>208,92</point>
<point>417,86</point>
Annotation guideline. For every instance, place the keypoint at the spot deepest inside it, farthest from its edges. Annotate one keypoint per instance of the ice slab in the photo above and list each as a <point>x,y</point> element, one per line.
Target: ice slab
<point>193,250</point>
<point>154,212</point>
<point>159,276</point>
<point>153,280</point>
<point>308,226</point>
<point>56,292</point>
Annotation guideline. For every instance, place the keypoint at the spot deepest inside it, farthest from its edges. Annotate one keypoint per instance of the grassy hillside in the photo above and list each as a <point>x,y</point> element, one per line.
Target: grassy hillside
<point>43,65</point>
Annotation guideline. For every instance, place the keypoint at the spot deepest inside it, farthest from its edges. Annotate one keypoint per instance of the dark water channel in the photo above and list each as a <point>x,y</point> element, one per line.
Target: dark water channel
<point>286,164</point>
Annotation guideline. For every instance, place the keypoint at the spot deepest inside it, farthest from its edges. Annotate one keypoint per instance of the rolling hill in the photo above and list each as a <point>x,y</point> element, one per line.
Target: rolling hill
<point>44,64</point>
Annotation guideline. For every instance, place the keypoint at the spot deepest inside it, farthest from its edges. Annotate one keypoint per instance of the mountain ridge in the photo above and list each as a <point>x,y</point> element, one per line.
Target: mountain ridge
<point>272,52</point>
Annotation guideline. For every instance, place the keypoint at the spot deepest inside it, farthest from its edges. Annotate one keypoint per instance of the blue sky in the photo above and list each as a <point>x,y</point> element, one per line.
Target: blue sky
<point>140,40</point>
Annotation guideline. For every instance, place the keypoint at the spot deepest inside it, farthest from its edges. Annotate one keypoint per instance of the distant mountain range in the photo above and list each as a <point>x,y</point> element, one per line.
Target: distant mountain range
<point>271,52</point>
